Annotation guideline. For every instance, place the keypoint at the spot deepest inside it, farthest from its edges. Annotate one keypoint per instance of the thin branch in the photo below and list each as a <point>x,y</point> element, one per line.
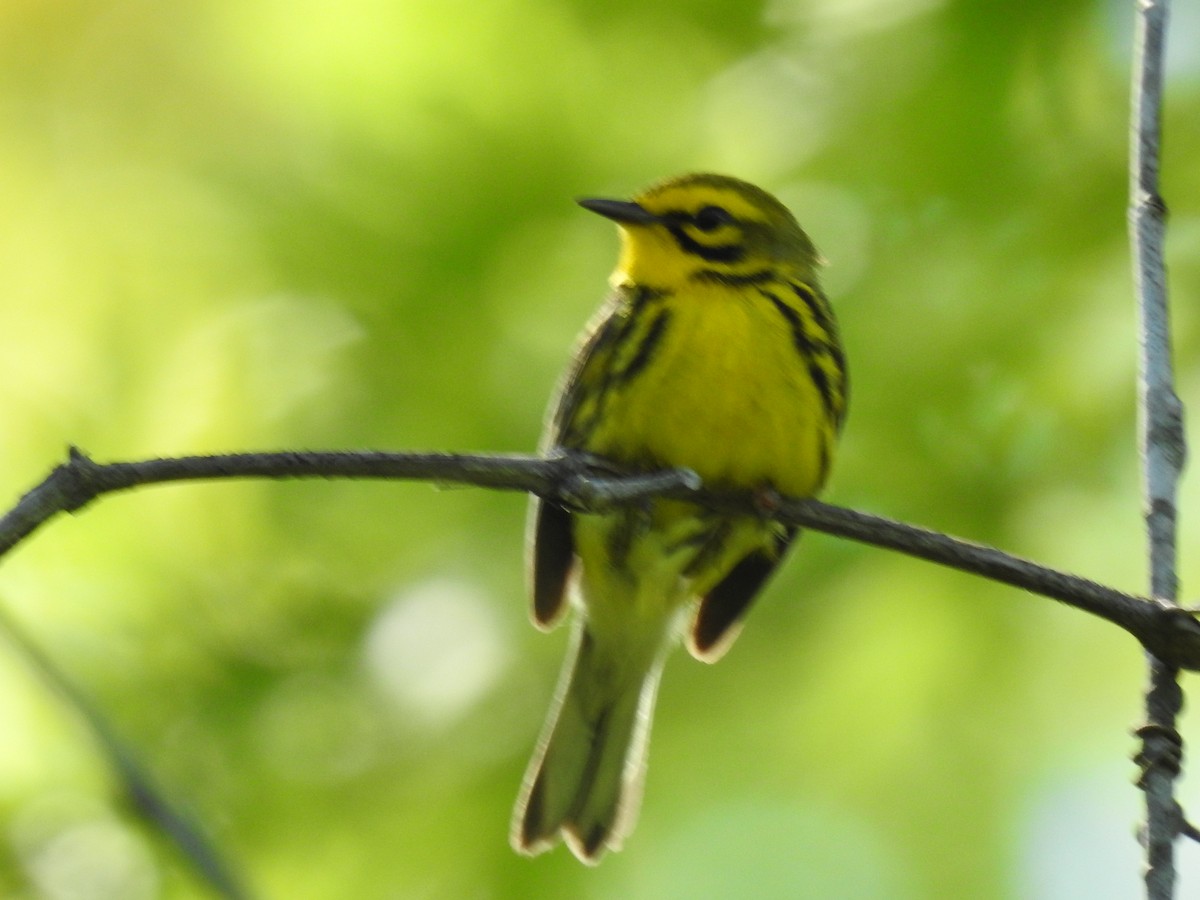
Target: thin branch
<point>147,798</point>
<point>586,484</point>
<point>1161,439</point>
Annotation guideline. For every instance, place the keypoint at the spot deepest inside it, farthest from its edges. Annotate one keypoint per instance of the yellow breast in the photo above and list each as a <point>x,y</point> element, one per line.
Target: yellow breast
<point>726,393</point>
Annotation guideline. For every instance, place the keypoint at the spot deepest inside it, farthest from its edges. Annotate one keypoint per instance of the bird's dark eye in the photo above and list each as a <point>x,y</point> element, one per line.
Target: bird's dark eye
<point>711,218</point>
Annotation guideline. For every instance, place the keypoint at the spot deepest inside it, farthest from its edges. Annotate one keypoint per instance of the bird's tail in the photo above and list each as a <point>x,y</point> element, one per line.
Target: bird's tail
<point>585,779</point>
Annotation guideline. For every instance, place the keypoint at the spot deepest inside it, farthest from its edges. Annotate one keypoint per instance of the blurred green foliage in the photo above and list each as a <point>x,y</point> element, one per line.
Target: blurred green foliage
<point>258,224</point>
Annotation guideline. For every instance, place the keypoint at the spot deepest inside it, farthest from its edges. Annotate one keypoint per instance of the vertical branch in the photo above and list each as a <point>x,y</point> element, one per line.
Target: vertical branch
<point>1161,442</point>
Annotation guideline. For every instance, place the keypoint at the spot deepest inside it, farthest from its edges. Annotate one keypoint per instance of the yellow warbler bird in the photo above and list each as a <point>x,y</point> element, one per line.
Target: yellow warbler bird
<point>717,352</point>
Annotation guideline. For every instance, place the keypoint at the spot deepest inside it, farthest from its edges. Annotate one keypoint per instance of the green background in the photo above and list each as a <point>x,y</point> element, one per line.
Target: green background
<point>264,224</point>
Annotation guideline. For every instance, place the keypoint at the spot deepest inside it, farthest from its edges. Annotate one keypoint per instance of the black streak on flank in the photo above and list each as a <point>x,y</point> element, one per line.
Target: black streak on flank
<point>807,348</point>
<point>824,318</point>
<point>820,312</point>
<point>647,347</point>
<point>821,380</point>
<point>819,307</point>
<point>575,417</point>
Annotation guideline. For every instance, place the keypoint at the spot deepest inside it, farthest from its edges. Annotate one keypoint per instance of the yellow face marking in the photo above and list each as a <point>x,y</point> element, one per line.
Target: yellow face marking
<point>713,224</point>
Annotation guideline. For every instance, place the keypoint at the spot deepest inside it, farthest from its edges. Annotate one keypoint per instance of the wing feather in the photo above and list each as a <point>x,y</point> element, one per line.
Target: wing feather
<point>720,612</point>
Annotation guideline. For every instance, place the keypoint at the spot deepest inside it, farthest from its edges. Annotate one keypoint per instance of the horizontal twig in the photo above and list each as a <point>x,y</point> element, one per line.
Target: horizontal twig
<point>587,484</point>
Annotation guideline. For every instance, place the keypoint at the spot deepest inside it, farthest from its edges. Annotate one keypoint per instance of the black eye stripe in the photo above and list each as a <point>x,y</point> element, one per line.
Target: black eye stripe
<point>718,253</point>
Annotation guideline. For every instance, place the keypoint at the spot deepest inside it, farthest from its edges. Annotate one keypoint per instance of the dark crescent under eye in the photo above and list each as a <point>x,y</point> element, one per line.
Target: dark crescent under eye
<point>710,218</point>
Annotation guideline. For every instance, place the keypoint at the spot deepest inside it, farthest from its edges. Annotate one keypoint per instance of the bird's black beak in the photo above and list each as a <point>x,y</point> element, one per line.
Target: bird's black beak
<point>624,212</point>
